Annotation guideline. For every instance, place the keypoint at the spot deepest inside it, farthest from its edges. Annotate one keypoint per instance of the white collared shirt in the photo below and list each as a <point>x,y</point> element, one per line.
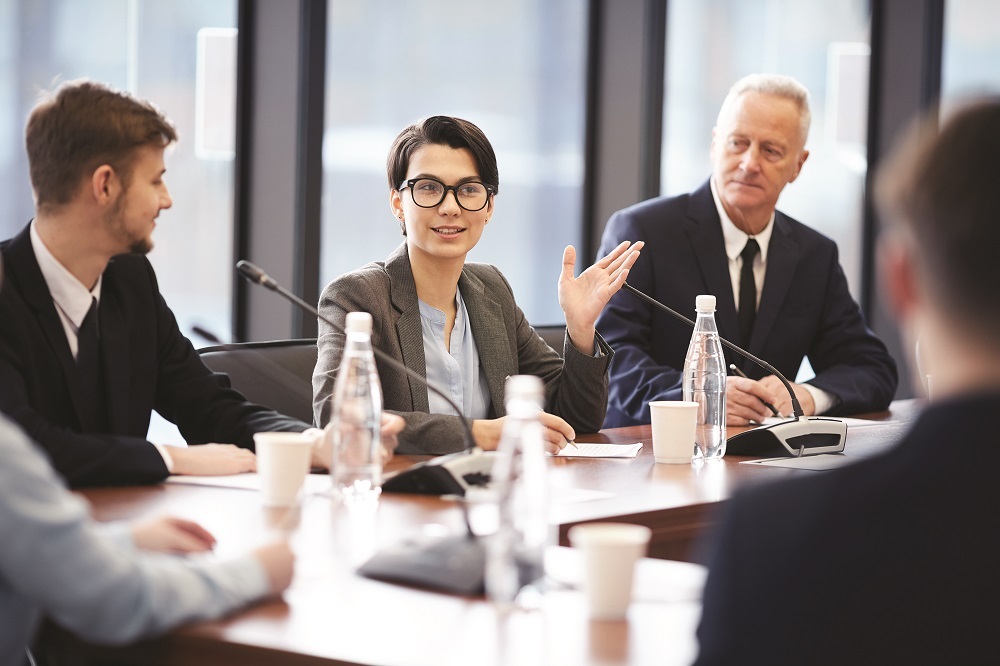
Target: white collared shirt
<point>72,297</point>
<point>72,300</point>
<point>736,240</point>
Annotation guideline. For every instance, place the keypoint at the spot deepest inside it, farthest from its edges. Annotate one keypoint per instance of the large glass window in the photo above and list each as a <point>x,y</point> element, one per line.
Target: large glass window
<point>712,43</point>
<point>971,50</point>
<point>152,49</point>
<point>516,69</point>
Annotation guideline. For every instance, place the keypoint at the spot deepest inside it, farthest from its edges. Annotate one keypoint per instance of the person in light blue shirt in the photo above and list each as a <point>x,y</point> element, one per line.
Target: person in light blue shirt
<point>94,579</point>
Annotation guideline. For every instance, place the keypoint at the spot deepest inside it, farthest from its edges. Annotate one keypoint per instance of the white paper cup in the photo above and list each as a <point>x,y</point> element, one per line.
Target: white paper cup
<point>673,430</point>
<point>282,464</point>
<point>610,551</point>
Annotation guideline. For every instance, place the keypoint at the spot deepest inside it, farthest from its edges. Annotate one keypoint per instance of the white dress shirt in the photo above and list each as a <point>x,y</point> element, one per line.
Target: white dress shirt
<point>736,240</point>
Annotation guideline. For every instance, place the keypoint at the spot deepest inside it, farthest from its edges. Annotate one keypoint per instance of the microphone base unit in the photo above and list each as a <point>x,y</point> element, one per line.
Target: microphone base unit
<point>804,436</point>
<point>455,565</point>
<point>452,474</point>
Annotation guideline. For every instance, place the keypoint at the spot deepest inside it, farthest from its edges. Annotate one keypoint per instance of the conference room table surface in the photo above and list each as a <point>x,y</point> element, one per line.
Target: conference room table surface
<point>332,615</point>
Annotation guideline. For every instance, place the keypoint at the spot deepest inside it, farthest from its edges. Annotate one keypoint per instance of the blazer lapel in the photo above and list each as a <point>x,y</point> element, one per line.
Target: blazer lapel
<point>709,248</point>
<point>492,343</point>
<point>115,352</point>
<point>403,294</point>
<point>23,270</point>
<point>782,258</point>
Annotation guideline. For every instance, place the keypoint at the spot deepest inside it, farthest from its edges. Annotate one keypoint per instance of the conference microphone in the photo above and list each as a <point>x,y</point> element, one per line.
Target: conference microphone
<point>451,474</point>
<point>799,436</point>
<point>449,564</point>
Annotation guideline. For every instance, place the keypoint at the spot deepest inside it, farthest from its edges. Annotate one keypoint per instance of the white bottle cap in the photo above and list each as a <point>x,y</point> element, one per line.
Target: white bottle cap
<point>359,322</point>
<point>704,303</point>
<point>525,387</point>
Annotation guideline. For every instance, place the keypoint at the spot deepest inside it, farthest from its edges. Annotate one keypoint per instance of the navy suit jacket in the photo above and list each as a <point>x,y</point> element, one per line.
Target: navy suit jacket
<point>148,364</point>
<point>805,310</point>
<point>892,560</point>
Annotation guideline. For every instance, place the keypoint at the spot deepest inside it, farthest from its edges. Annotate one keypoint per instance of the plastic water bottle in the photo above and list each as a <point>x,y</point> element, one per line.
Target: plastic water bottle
<point>705,382</point>
<point>515,553</point>
<point>356,418</point>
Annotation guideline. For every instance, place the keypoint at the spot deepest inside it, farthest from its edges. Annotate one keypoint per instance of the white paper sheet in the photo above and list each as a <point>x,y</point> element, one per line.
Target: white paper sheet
<point>314,483</point>
<point>581,450</point>
<point>818,463</point>
<point>851,423</point>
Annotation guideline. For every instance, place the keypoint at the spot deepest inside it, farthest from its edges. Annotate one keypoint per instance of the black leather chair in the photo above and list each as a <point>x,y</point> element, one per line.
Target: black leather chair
<point>275,374</point>
<point>553,336</point>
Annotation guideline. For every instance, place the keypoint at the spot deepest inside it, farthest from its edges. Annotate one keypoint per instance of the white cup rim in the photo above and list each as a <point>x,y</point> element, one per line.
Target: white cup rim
<point>618,533</point>
<point>659,404</point>
<point>283,438</point>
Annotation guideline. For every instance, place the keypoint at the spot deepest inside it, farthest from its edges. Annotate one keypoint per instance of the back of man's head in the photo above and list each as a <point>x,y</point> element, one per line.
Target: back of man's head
<point>940,188</point>
<point>81,126</point>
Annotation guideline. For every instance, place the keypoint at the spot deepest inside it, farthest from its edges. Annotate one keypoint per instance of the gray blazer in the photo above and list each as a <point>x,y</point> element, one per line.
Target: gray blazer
<point>575,389</point>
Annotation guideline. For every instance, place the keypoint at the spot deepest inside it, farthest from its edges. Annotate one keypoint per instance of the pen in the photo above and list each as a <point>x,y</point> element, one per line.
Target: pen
<point>732,366</point>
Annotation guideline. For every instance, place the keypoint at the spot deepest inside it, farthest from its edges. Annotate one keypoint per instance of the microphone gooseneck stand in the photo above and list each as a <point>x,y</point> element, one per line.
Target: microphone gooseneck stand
<point>450,564</point>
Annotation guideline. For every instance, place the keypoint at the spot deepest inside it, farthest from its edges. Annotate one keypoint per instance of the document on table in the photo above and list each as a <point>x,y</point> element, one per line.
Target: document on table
<point>581,450</point>
<point>314,483</point>
<point>851,423</point>
<point>817,463</point>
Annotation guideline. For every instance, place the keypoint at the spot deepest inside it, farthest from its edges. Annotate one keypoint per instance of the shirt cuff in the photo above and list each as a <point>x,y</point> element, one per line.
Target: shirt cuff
<point>120,533</point>
<point>168,460</point>
<point>823,400</point>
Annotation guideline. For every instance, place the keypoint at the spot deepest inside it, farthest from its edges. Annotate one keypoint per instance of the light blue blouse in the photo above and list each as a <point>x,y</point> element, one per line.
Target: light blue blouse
<point>457,372</point>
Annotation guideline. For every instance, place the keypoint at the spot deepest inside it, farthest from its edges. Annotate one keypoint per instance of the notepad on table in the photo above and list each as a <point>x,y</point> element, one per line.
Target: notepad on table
<point>581,450</point>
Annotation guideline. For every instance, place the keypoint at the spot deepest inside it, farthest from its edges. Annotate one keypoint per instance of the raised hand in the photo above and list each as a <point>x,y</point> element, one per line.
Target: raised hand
<point>582,298</point>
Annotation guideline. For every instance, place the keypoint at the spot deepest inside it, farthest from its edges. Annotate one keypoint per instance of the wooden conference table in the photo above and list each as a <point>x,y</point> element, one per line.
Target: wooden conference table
<point>331,615</point>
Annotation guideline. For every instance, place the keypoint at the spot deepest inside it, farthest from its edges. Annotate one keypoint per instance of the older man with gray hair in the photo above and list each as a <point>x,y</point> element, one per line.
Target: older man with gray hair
<point>780,290</point>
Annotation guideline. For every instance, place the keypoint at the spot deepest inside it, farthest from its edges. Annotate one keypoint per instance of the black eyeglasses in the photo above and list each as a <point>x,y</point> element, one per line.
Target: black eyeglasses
<point>430,192</point>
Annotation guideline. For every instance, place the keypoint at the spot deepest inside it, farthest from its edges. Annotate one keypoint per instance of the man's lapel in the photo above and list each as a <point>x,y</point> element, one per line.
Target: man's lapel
<point>115,354</point>
<point>782,258</point>
<point>22,269</point>
<point>709,248</point>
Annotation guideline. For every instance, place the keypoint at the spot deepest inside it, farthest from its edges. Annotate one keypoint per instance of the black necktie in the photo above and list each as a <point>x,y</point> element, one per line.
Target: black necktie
<point>748,291</point>
<point>90,373</point>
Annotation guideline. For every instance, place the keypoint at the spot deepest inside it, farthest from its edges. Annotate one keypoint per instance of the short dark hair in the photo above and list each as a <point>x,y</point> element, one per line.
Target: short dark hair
<point>940,187</point>
<point>81,126</point>
<point>444,131</point>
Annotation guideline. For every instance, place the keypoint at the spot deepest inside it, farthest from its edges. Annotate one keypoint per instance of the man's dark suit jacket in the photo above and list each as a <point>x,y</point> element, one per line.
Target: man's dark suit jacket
<point>805,310</point>
<point>893,560</point>
<point>148,364</point>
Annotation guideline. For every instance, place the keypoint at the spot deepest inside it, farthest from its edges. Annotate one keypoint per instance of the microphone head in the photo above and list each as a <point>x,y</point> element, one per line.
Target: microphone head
<point>254,273</point>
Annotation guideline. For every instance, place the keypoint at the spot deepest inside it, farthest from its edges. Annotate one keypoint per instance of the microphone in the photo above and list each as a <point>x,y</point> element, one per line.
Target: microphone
<point>450,564</point>
<point>451,474</point>
<point>800,436</point>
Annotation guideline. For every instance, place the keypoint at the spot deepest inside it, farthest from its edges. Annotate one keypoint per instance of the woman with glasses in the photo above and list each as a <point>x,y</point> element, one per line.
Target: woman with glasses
<point>457,323</point>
